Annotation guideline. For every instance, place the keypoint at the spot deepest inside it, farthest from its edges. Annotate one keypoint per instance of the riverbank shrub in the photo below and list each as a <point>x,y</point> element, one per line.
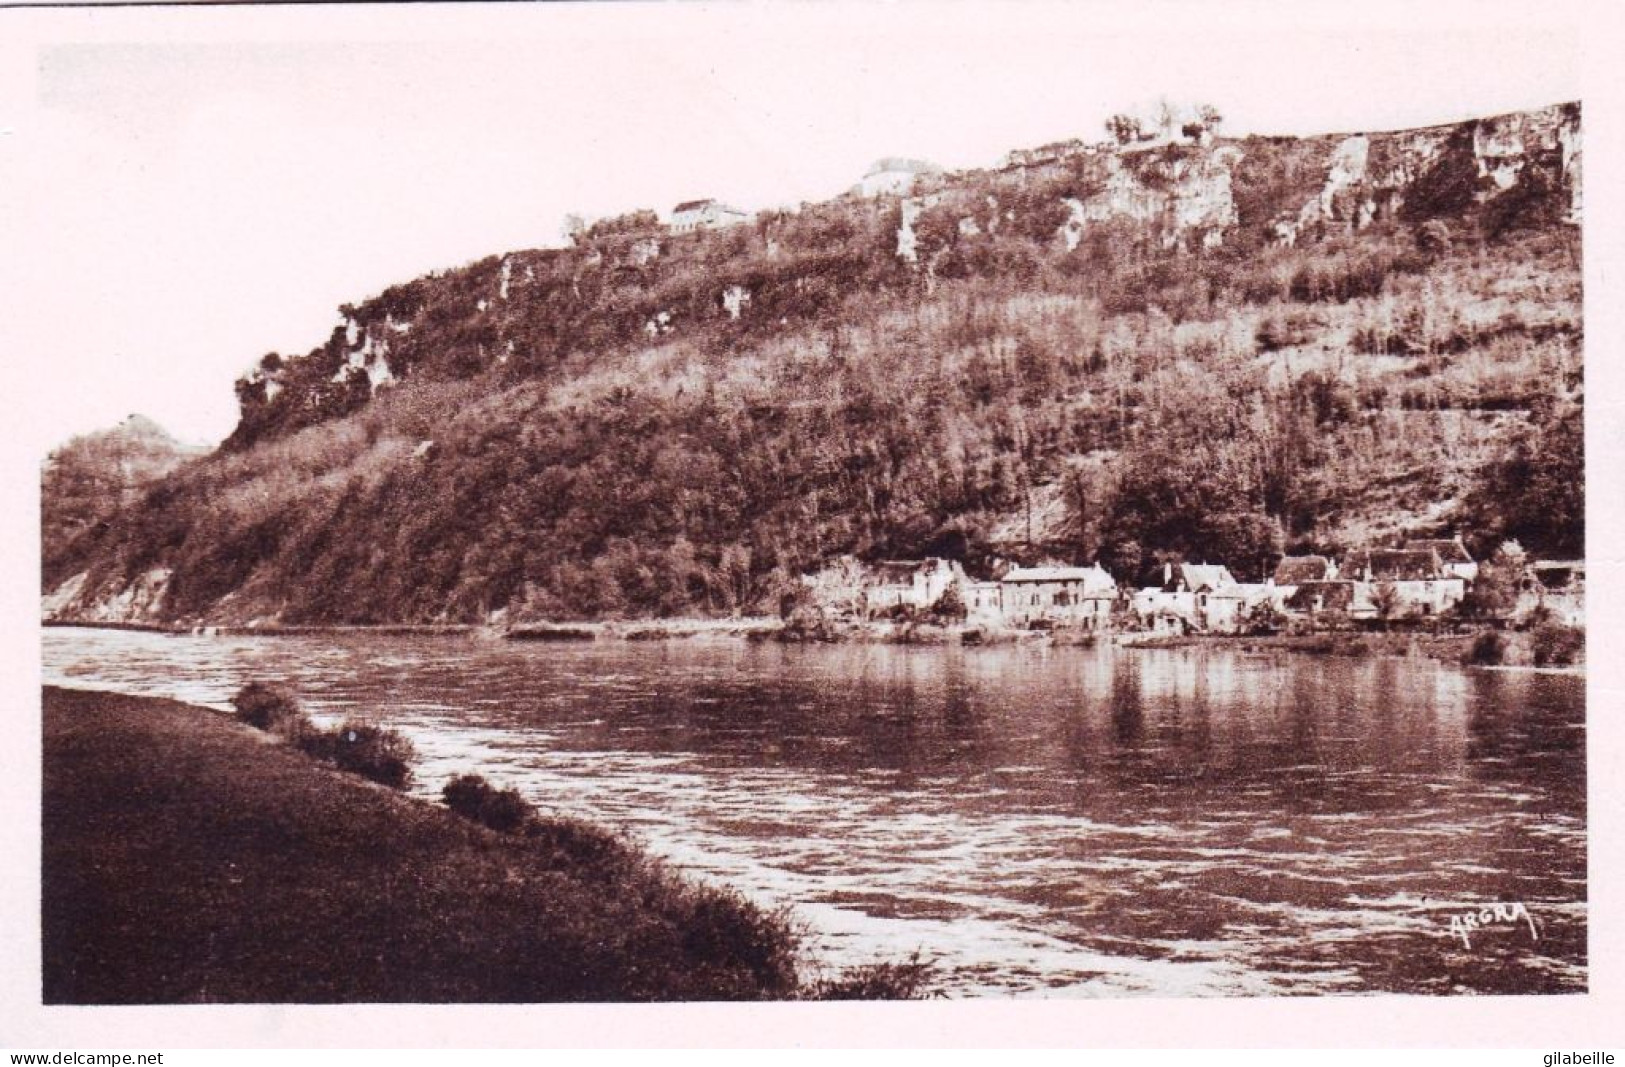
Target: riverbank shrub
<point>582,844</point>
<point>374,752</point>
<point>909,980</point>
<point>270,708</point>
<point>1555,645</point>
<point>472,797</point>
<point>1487,650</point>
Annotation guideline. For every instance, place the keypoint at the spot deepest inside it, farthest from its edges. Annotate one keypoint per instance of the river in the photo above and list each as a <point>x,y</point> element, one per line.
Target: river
<point>1033,820</point>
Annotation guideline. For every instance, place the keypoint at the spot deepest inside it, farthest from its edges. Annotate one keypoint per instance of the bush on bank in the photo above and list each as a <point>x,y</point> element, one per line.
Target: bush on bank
<point>472,797</point>
<point>374,752</point>
<point>270,708</point>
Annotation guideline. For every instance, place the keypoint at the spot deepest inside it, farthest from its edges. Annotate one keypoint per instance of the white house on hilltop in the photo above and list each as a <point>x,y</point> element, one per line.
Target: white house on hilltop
<point>895,176</point>
<point>693,215</point>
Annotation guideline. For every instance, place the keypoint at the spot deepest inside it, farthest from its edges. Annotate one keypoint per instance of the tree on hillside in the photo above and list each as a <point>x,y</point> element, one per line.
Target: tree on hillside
<point>1166,116</point>
<point>1125,129</point>
<point>1385,598</point>
<point>1494,594</point>
<point>1186,501</point>
<point>1536,492</point>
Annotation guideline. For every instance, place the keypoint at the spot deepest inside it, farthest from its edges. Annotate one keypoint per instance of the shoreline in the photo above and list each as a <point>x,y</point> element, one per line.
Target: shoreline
<point>1452,648</point>
<point>232,868</point>
<point>1403,644</point>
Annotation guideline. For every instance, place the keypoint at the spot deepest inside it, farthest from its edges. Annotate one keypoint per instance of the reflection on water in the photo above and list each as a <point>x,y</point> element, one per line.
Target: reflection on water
<point>1052,821</point>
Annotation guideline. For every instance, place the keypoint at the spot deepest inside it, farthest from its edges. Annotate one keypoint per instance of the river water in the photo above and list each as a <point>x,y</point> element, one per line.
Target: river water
<point>1034,821</point>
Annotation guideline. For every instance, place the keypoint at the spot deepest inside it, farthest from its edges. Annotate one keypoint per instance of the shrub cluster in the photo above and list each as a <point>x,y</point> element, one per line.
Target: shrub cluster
<point>266,707</point>
<point>910,980</point>
<point>1556,645</point>
<point>1488,649</point>
<point>472,797</point>
<point>374,752</point>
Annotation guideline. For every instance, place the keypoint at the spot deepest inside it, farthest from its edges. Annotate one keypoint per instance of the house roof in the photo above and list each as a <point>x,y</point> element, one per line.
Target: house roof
<point>905,566</point>
<point>1398,564</point>
<point>1559,574</point>
<point>1093,578</point>
<point>1450,549</point>
<point>1200,576</point>
<point>1334,595</point>
<point>697,205</point>
<point>1243,591</point>
<point>1295,570</point>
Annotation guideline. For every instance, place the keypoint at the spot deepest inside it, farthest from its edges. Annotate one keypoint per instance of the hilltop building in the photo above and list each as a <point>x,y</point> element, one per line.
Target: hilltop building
<point>694,215</point>
<point>895,176</point>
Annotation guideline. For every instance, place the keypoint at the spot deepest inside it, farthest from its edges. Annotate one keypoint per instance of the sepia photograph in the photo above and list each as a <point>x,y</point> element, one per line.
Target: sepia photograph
<point>581,504</point>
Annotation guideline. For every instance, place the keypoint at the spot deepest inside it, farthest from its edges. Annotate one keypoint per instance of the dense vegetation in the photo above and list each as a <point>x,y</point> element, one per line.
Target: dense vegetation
<point>648,424</point>
<point>87,480</point>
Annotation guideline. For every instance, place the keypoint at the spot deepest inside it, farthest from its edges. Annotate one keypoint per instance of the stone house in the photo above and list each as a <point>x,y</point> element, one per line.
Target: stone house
<point>1420,584</point>
<point>1185,591</point>
<point>915,584</point>
<point>984,603</point>
<point>694,215</point>
<point>850,588</point>
<point>1078,596</point>
<point>1226,608</point>
<point>1559,589</point>
<point>1294,570</point>
<point>1328,596</point>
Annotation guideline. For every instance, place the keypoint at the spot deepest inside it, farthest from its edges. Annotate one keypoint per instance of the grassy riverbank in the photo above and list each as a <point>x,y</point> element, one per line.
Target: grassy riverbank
<point>188,858</point>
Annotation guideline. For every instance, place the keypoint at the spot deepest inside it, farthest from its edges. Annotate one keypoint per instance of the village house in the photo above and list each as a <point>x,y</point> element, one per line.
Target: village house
<point>984,603</point>
<point>1559,590</point>
<point>694,215</point>
<point>1404,582</point>
<point>849,588</point>
<point>1324,596</point>
<point>1453,556</point>
<point>1184,592</point>
<point>1295,570</point>
<point>1227,608</point>
<point>894,176</point>
<point>1078,596</point>
<point>915,584</point>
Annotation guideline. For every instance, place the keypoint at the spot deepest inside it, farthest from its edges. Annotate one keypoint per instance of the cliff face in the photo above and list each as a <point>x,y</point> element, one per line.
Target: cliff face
<point>1181,196</point>
<point>916,368</point>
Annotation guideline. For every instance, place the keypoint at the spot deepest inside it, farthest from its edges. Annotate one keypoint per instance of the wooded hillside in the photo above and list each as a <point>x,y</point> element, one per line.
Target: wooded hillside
<point>1219,351</point>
